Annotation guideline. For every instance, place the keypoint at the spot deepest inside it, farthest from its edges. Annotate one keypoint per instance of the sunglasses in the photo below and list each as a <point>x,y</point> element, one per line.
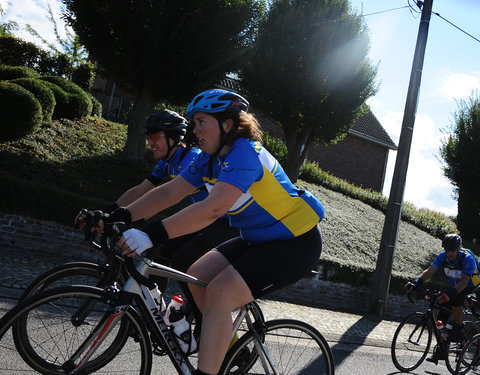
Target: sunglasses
<point>155,137</point>
<point>450,250</point>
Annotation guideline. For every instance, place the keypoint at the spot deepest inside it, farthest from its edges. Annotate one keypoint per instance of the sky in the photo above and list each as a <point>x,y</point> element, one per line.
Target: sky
<point>451,72</point>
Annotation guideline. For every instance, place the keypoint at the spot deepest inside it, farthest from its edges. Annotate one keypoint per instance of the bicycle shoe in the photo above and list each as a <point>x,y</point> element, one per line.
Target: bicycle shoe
<point>436,356</point>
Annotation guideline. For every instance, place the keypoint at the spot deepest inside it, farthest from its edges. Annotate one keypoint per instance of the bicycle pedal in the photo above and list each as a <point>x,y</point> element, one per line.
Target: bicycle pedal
<point>159,351</point>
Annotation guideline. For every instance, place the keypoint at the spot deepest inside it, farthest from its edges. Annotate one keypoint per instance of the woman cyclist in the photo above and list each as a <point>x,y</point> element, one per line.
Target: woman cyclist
<point>279,243</point>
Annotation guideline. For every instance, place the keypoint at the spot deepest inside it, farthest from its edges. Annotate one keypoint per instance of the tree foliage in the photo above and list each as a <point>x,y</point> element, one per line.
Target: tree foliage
<point>309,72</point>
<point>461,156</point>
<point>163,50</point>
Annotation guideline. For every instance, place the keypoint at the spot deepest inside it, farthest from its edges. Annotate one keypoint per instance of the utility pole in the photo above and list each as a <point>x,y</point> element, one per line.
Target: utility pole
<point>383,271</point>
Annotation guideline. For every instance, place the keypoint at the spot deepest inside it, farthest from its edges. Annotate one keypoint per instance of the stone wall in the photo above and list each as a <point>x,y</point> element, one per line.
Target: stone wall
<point>26,233</point>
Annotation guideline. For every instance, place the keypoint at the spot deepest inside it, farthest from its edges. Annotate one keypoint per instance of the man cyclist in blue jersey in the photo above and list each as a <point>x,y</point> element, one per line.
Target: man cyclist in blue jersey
<point>460,268</point>
<point>280,241</point>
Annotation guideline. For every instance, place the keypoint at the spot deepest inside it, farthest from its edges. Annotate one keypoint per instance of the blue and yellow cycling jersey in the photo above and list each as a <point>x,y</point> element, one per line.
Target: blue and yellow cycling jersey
<point>172,168</point>
<point>271,207</point>
<point>453,270</point>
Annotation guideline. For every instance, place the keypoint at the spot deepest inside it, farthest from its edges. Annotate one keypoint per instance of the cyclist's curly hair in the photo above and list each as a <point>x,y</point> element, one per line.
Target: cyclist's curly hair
<point>246,125</point>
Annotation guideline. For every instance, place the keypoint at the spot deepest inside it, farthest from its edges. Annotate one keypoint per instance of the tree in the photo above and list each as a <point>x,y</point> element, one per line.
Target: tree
<point>309,72</point>
<point>7,28</point>
<point>72,53</point>
<point>163,50</point>
<point>461,155</point>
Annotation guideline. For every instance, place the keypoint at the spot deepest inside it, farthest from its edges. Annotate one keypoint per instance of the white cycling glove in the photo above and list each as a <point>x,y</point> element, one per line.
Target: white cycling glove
<point>137,240</point>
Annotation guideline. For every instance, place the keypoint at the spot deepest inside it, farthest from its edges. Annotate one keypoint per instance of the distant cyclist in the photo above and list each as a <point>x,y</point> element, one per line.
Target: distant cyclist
<point>461,270</point>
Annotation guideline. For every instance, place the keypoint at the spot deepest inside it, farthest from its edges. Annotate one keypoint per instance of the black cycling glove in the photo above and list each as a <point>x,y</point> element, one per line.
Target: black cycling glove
<point>156,231</point>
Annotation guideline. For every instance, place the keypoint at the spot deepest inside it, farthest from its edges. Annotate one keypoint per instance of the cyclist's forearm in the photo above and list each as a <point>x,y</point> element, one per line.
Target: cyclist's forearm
<point>160,198</point>
<point>134,193</point>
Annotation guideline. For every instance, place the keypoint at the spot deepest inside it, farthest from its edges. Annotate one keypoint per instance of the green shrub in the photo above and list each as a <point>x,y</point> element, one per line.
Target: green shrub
<point>84,75</point>
<point>97,109</point>
<point>276,147</point>
<point>8,72</point>
<point>42,92</point>
<point>20,112</point>
<point>62,100</point>
<point>79,103</point>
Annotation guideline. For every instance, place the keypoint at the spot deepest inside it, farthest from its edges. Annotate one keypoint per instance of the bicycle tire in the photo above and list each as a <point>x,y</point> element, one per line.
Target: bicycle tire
<point>49,338</point>
<point>469,356</point>
<point>411,342</point>
<point>469,329</point>
<point>73,273</point>
<point>293,345</point>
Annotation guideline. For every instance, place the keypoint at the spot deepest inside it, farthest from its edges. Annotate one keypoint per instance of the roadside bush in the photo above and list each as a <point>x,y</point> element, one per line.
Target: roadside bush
<point>42,92</point>
<point>276,147</point>
<point>79,103</point>
<point>8,72</point>
<point>20,112</point>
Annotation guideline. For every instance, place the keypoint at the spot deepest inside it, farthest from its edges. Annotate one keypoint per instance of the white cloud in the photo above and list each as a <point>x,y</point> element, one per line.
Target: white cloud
<point>459,85</point>
<point>34,12</point>
<point>426,187</point>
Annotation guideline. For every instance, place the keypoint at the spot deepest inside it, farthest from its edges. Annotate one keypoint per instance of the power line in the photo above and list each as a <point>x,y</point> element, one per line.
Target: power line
<point>451,23</point>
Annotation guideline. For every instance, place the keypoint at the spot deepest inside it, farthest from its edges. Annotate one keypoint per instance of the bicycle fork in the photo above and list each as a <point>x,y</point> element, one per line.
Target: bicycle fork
<point>94,340</point>
<point>261,348</point>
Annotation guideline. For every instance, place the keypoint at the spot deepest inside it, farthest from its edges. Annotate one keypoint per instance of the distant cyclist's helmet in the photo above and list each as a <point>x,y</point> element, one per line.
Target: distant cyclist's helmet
<point>174,125</point>
<point>217,101</point>
<point>452,242</point>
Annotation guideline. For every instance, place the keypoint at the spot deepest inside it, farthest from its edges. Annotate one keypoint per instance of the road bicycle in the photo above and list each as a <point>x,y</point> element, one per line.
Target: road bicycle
<point>413,337</point>
<point>85,329</point>
<point>469,359</point>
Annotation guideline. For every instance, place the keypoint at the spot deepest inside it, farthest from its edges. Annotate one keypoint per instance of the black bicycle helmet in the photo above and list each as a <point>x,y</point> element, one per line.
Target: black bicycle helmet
<point>452,241</point>
<point>174,125</point>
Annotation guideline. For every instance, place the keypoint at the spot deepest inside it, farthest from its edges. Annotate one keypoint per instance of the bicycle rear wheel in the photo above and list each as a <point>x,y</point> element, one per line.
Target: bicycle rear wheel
<point>411,342</point>
<point>294,347</point>
<point>42,326</point>
<point>469,357</point>
<point>74,273</point>
<point>469,329</point>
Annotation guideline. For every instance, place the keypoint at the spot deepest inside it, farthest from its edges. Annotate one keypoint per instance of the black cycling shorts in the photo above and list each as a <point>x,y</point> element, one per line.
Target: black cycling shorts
<point>272,265</point>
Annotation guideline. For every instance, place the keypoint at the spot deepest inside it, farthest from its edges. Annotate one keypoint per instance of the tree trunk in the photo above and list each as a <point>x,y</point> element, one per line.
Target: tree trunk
<point>298,144</point>
<point>143,105</point>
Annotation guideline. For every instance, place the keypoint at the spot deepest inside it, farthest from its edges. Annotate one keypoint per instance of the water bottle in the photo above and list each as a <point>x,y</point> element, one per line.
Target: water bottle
<point>448,329</point>
<point>157,296</point>
<point>176,303</point>
<point>440,328</point>
<point>182,331</point>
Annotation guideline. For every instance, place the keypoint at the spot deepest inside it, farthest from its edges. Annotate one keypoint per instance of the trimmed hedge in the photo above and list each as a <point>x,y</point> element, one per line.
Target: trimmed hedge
<point>97,108</point>
<point>11,72</point>
<point>20,112</point>
<point>79,102</point>
<point>42,92</point>
<point>62,101</point>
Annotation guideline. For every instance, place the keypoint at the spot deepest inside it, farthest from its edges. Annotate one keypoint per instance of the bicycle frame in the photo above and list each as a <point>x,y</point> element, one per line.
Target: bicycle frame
<point>153,317</point>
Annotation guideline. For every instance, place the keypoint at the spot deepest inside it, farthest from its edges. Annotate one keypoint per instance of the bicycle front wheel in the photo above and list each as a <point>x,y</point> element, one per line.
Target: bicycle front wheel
<point>43,327</point>
<point>411,342</point>
<point>293,346</point>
